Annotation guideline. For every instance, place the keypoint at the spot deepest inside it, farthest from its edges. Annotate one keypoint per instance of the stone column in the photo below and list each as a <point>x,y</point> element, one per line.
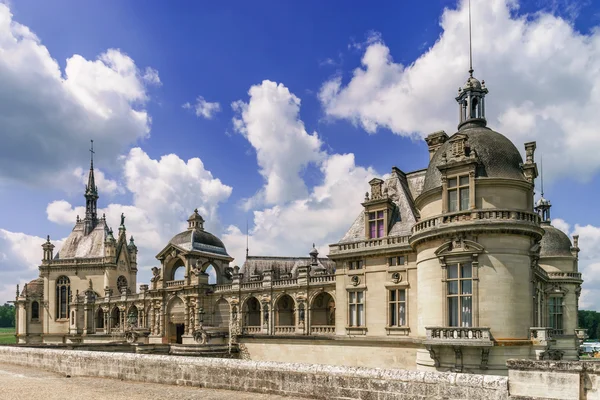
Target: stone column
<point>86,322</point>
<point>444,194</point>
<point>472,205</point>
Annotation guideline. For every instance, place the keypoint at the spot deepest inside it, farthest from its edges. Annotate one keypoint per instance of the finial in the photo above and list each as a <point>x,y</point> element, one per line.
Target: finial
<point>470,46</point>
<point>92,155</point>
<point>246,238</point>
<point>48,238</point>
<point>195,211</point>
<point>542,173</point>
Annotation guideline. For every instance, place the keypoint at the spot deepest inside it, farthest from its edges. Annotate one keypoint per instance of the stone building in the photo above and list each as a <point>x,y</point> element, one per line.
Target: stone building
<point>452,267</point>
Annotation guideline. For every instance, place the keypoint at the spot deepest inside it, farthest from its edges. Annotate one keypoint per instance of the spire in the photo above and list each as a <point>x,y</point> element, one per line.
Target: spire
<point>91,197</point>
<point>471,97</point>
<point>542,206</point>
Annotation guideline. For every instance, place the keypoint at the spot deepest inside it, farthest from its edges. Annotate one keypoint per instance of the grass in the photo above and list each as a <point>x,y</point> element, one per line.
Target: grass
<point>7,336</point>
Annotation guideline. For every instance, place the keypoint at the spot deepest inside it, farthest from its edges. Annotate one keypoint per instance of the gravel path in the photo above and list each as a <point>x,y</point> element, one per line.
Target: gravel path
<point>21,383</point>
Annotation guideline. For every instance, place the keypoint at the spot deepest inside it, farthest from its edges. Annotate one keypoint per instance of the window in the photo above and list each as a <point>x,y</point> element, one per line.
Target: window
<point>397,307</point>
<point>458,193</point>
<point>356,308</point>
<point>121,283</point>
<point>393,261</point>
<point>460,295</point>
<point>555,314</point>
<point>376,225</point>
<point>63,293</point>
<point>35,310</point>
<point>355,264</point>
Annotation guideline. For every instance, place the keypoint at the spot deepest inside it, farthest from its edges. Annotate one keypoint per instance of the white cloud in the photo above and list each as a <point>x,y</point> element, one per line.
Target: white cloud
<point>203,108</point>
<point>271,123</point>
<point>105,185</point>
<point>561,224</point>
<point>151,76</point>
<point>541,73</point>
<point>49,115</point>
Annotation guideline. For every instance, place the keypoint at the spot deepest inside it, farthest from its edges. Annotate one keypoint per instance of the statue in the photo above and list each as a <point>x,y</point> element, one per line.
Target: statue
<point>122,219</point>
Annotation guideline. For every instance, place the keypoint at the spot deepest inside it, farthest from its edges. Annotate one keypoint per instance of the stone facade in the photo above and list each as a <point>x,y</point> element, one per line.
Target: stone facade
<point>449,268</point>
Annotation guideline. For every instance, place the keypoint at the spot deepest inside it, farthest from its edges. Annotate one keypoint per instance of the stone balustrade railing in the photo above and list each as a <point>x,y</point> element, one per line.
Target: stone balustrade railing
<point>491,215</point>
<point>285,282</point>
<point>380,243</point>
<point>442,335</point>
<point>322,330</point>
<point>252,329</point>
<point>180,282</point>
<point>251,285</point>
<point>322,279</point>
<point>541,335</point>
<point>223,288</point>
<point>95,260</point>
<point>565,275</point>
<point>285,330</point>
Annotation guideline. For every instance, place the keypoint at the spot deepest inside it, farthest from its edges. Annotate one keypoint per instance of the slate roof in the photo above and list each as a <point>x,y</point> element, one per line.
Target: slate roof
<point>78,245</point>
<point>555,243</point>
<point>201,240</point>
<point>401,188</point>
<point>281,266</point>
<point>498,155</point>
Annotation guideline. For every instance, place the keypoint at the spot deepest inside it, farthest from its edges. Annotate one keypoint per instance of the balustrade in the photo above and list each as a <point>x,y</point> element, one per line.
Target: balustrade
<point>223,288</point>
<point>285,282</point>
<point>322,330</point>
<point>322,279</point>
<point>285,330</point>
<point>252,285</point>
<point>459,335</point>
<point>175,283</point>
<point>369,243</point>
<point>252,329</point>
<point>490,215</point>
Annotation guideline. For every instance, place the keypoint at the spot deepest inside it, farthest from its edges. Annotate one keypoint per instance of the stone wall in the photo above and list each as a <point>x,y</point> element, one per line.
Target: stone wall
<point>564,380</point>
<point>303,380</point>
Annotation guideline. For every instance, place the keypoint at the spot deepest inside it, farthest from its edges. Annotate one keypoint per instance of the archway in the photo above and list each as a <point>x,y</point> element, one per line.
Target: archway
<point>252,312</point>
<point>323,310</point>
<point>100,319</point>
<point>115,318</point>
<point>132,317</point>
<point>211,271</point>
<point>178,270</point>
<point>221,314</point>
<point>285,311</point>
<point>176,320</point>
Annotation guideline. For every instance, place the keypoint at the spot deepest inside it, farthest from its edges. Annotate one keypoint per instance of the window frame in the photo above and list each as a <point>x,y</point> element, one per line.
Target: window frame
<point>458,189</point>
<point>556,319</point>
<point>395,261</point>
<point>377,218</point>
<point>356,265</point>
<point>459,295</point>
<point>353,308</point>
<point>395,306</point>
<point>35,316</point>
<point>62,297</point>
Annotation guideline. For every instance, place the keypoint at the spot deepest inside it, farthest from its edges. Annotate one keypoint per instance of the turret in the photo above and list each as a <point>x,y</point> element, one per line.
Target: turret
<point>132,250</point>
<point>48,250</point>
<point>110,247</point>
<point>195,221</point>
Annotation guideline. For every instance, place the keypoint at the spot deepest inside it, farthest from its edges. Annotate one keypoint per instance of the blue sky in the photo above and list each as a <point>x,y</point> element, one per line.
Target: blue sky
<point>392,69</point>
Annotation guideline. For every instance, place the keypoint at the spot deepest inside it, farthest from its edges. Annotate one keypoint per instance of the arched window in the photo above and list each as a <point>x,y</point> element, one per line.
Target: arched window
<point>63,293</point>
<point>35,310</point>
<point>100,319</point>
<point>121,283</point>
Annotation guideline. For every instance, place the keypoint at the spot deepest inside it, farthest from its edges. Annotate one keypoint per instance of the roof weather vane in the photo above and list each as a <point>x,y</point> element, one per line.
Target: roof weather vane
<point>470,46</point>
<point>92,153</point>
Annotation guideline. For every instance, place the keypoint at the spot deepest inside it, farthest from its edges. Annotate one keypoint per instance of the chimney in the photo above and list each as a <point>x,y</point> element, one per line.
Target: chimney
<point>434,141</point>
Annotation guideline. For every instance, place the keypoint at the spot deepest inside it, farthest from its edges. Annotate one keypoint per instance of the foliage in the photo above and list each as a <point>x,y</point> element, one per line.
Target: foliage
<point>590,320</point>
<point>7,336</point>
<point>7,316</point>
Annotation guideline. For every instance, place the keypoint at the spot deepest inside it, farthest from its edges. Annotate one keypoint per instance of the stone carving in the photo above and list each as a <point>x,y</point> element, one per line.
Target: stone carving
<point>396,277</point>
<point>355,280</point>
<point>485,355</point>
<point>201,336</point>
<point>131,337</point>
<point>552,354</point>
<point>122,219</point>
<point>155,274</point>
<point>433,355</point>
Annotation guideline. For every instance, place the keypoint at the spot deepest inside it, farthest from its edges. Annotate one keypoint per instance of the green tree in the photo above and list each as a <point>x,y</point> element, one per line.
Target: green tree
<point>7,316</point>
<point>590,320</point>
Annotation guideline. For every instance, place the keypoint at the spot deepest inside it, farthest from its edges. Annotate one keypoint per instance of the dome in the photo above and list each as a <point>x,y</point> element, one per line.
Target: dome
<point>554,242</point>
<point>472,83</point>
<point>498,156</point>
<point>195,239</point>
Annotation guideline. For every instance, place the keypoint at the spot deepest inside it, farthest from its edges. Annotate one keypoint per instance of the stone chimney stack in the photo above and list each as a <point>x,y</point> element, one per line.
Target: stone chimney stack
<point>434,141</point>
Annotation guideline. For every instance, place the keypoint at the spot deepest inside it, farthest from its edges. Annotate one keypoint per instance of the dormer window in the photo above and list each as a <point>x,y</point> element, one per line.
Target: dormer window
<point>376,224</point>
<point>458,193</point>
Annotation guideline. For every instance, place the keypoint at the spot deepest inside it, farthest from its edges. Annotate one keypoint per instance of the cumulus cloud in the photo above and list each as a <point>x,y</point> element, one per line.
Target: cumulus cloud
<point>203,108</point>
<point>20,255</point>
<point>49,115</point>
<point>541,73</point>
<point>589,265</point>
<point>151,76</point>
<point>291,217</point>
<point>270,121</point>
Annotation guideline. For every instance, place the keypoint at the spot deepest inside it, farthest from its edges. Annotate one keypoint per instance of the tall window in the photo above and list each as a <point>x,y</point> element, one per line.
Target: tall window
<point>397,307</point>
<point>555,314</point>
<point>121,283</point>
<point>376,224</point>
<point>460,294</point>
<point>63,293</point>
<point>35,310</point>
<point>458,193</point>
<point>393,261</point>
<point>356,308</point>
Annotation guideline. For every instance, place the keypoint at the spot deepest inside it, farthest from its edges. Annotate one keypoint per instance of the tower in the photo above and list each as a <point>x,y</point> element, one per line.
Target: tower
<point>91,198</point>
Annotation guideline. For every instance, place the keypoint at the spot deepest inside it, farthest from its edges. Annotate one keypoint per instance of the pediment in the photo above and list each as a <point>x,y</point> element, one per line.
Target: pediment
<point>459,246</point>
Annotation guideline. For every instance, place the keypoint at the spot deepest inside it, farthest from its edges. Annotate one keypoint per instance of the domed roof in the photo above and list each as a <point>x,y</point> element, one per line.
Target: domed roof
<point>201,240</point>
<point>498,156</point>
<point>554,242</point>
<point>472,83</point>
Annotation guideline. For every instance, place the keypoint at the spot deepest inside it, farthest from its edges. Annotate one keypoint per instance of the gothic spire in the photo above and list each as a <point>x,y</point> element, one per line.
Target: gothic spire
<point>91,197</point>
